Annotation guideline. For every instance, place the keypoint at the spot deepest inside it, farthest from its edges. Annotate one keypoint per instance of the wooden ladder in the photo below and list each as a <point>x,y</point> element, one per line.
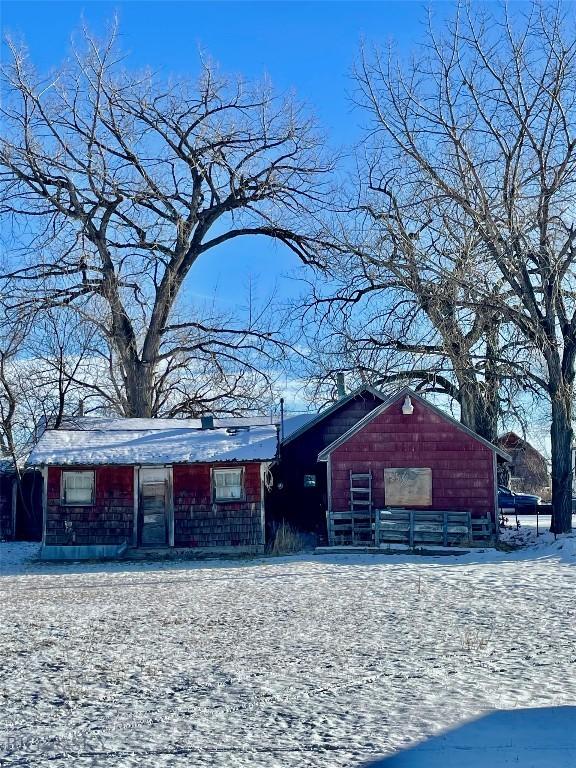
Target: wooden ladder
<point>361,507</point>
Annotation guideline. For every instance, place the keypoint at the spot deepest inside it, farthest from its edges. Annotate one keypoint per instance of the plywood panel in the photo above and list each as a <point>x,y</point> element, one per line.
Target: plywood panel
<point>408,486</point>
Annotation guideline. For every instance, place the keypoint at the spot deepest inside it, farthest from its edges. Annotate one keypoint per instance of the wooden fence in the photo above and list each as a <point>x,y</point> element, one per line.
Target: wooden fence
<point>412,527</point>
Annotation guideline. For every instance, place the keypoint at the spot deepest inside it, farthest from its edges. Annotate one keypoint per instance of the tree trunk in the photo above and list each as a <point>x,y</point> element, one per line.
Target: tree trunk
<point>476,412</point>
<point>139,379</point>
<point>561,438</point>
<point>486,419</point>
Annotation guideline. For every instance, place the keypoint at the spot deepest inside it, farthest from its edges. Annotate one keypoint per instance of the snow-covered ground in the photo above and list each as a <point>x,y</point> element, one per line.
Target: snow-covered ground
<point>331,660</point>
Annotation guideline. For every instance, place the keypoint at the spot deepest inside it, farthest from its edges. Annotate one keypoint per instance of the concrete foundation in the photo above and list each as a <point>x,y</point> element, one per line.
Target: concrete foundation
<point>85,552</point>
<point>120,551</point>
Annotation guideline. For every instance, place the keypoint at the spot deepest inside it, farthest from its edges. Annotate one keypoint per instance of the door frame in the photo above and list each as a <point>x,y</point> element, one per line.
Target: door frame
<point>169,501</point>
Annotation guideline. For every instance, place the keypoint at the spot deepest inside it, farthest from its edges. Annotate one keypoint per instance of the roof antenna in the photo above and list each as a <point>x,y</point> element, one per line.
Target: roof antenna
<point>281,419</point>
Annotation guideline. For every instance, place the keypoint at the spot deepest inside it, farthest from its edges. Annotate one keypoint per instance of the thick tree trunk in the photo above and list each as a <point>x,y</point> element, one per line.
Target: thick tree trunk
<point>561,439</point>
<point>139,379</point>
<point>486,419</point>
<point>478,413</point>
<point>479,395</point>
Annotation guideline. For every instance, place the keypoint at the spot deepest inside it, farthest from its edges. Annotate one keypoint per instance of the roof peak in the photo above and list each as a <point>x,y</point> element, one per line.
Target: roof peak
<point>390,400</point>
<point>333,406</point>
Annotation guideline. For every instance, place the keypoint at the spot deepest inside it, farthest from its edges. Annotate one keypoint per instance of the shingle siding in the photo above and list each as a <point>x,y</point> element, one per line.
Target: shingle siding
<point>200,522</point>
<point>462,467</point>
<point>304,507</point>
<point>110,520</point>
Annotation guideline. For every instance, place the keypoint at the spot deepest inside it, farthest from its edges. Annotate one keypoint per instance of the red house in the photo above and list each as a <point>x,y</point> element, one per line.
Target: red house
<point>406,464</point>
<point>528,468</point>
<point>115,484</point>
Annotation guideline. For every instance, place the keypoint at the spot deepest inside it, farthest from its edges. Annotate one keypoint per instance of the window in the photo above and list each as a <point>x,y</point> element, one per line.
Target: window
<point>309,481</point>
<point>228,484</point>
<point>78,487</point>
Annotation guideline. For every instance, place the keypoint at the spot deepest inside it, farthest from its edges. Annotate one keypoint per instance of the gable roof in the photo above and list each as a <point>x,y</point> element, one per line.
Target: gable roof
<point>174,445</point>
<point>512,441</point>
<point>313,419</point>
<point>390,400</point>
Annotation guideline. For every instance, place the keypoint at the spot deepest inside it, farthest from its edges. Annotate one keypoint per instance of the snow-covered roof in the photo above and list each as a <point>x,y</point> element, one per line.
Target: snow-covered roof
<point>295,423</point>
<point>117,423</point>
<point>112,424</point>
<point>175,444</point>
<point>6,465</point>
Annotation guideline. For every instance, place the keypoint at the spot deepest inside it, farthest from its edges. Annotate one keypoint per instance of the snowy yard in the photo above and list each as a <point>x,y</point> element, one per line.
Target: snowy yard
<point>302,661</point>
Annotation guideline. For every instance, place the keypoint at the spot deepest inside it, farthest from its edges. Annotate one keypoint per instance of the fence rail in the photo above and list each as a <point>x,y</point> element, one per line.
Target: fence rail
<point>413,527</point>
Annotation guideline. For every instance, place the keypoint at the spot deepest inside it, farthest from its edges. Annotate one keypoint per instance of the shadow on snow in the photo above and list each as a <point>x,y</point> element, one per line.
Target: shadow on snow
<point>531,738</point>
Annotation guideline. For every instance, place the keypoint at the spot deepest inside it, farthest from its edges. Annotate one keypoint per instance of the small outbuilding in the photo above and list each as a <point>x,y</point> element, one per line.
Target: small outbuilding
<point>115,484</point>
<point>408,472</point>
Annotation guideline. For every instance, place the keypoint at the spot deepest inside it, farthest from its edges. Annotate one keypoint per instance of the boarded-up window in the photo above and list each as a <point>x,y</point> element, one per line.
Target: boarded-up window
<point>228,484</point>
<point>408,487</point>
<point>78,487</point>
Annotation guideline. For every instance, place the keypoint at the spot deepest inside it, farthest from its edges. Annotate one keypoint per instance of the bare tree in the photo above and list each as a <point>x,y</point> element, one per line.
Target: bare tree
<point>41,355</point>
<point>396,311</point>
<point>118,183</point>
<point>13,334</point>
<point>479,129</point>
<point>45,361</point>
<point>225,364</point>
<point>397,307</point>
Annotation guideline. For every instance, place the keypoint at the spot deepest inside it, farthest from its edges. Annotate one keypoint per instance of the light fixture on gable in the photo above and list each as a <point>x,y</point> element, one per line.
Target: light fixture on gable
<point>407,407</point>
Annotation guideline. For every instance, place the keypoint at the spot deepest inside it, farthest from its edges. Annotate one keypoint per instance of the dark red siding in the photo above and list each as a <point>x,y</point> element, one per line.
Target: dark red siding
<point>200,522</point>
<point>462,467</point>
<point>7,480</point>
<point>110,520</point>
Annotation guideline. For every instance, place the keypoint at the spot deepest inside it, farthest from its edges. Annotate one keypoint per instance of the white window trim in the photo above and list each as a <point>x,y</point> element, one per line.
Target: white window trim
<point>63,500</point>
<point>227,499</point>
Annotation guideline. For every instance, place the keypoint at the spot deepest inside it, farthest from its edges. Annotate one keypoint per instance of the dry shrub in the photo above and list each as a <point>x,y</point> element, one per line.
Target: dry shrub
<point>286,540</point>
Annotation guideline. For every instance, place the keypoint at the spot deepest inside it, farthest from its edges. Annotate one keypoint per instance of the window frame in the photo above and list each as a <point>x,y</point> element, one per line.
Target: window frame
<point>310,480</point>
<point>64,501</point>
<point>227,499</point>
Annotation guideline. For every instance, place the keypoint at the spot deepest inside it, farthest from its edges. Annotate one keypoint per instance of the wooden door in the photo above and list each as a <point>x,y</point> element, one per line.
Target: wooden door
<point>154,506</point>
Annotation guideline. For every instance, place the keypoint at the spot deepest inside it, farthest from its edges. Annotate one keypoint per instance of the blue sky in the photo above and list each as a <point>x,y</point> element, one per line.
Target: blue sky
<point>309,47</point>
